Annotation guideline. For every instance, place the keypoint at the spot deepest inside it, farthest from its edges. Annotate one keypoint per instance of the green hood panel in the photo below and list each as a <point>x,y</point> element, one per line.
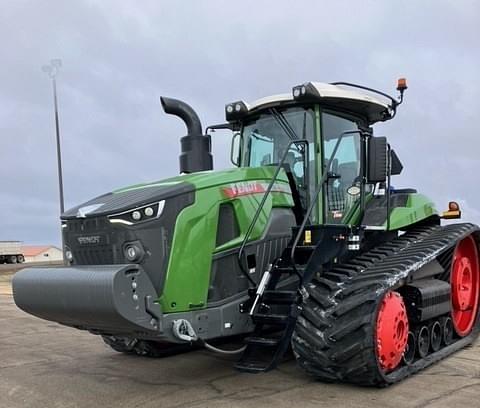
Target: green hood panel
<point>417,208</point>
<point>208,179</point>
<point>194,241</point>
<point>142,194</point>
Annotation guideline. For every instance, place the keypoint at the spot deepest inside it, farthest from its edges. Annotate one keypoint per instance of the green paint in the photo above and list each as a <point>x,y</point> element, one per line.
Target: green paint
<point>194,240</point>
<point>208,179</point>
<point>418,208</point>
<point>353,216</point>
<point>165,183</point>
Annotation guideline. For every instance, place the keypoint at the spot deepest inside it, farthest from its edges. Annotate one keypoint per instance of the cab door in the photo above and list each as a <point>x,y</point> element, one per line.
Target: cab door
<point>342,189</point>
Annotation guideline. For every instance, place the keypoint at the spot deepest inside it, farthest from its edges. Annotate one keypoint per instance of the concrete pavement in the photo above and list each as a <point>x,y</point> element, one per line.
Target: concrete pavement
<point>43,364</point>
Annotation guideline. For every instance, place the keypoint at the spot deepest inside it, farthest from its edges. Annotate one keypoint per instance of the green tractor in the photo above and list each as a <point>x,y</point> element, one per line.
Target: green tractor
<point>304,245</point>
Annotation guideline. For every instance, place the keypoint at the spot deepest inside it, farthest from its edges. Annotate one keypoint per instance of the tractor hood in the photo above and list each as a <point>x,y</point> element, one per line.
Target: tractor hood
<point>140,195</point>
<point>124,199</point>
<point>142,252</point>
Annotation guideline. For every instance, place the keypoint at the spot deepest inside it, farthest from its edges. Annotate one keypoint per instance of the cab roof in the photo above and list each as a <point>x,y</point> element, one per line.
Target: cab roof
<point>372,107</point>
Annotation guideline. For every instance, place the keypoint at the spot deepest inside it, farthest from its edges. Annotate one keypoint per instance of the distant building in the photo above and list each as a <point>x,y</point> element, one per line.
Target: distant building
<point>37,253</point>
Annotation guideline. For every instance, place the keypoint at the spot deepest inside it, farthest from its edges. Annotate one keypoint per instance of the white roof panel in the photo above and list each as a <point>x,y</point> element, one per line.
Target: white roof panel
<point>374,107</point>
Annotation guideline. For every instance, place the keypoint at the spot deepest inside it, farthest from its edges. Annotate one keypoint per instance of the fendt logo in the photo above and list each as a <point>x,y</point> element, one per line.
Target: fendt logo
<point>90,240</point>
<point>253,187</point>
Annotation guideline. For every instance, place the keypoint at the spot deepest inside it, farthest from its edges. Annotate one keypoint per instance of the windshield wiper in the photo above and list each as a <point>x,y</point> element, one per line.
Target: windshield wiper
<point>258,136</point>
<point>284,124</point>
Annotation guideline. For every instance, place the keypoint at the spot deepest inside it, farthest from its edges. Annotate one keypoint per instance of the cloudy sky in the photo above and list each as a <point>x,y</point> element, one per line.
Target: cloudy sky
<point>120,56</point>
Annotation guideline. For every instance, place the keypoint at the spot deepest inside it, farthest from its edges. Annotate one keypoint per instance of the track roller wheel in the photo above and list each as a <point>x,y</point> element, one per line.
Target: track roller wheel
<point>145,348</point>
<point>409,354</point>
<point>436,336</point>
<point>423,341</point>
<point>465,281</point>
<point>447,331</point>
<point>120,344</point>
<point>391,331</point>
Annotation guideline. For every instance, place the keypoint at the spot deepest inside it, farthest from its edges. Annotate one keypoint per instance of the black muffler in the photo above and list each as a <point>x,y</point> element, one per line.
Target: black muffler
<point>106,299</point>
<point>196,154</point>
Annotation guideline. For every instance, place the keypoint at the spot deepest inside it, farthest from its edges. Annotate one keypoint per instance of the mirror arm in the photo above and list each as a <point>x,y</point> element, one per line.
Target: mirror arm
<point>213,128</point>
<point>364,141</point>
<point>306,170</point>
<point>389,177</point>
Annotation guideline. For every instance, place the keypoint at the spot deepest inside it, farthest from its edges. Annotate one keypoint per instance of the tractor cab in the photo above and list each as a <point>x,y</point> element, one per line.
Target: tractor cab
<point>302,130</point>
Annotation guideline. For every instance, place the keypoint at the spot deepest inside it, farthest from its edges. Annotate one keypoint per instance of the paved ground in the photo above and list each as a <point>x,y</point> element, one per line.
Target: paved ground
<point>8,268</point>
<point>43,364</point>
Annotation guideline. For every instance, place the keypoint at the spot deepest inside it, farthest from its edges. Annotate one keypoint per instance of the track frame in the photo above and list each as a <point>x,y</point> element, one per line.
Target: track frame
<point>334,338</point>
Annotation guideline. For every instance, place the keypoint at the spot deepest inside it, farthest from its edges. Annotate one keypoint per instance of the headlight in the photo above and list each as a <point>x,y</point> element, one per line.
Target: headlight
<point>139,214</point>
<point>236,110</point>
<point>136,215</point>
<point>149,211</point>
<point>133,252</point>
<point>68,255</point>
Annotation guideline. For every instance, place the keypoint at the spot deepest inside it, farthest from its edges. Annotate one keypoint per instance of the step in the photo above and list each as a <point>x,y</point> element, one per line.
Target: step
<point>262,341</point>
<point>303,248</point>
<point>279,297</point>
<point>274,319</point>
<point>283,269</point>
<point>252,366</point>
<point>288,270</point>
<point>310,247</point>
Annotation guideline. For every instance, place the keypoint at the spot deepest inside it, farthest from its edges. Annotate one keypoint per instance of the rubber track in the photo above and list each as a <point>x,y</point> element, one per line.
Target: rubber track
<point>334,336</point>
<point>146,348</point>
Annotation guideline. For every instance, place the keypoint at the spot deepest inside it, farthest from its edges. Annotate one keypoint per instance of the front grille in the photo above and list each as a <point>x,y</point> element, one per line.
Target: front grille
<point>87,225</point>
<point>99,255</point>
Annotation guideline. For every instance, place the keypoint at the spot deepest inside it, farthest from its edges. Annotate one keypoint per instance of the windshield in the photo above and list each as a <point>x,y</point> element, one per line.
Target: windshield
<point>265,140</point>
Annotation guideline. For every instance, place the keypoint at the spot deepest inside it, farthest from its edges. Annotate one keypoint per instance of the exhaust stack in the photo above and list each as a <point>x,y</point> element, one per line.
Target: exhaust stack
<point>196,148</point>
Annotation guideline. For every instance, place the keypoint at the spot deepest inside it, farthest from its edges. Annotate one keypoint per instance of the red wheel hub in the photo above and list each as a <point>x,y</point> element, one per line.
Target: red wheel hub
<point>391,331</point>
<point>465,283</point>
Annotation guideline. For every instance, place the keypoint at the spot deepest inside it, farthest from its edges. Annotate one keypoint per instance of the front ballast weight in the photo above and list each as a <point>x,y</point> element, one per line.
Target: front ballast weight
<point>105,298</point>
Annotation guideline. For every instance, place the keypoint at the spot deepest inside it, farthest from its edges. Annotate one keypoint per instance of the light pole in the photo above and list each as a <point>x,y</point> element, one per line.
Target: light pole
<point>52,70</point>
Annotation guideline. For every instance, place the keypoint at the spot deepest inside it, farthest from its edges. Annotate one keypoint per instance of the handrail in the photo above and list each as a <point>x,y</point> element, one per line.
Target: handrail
<point>395,102</point>
<point>315,198</point>
<point>262,203</point>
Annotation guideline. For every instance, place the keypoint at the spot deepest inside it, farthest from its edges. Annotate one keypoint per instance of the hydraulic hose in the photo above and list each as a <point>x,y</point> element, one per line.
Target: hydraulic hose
<point>183,330</point>
<point>221,351</point>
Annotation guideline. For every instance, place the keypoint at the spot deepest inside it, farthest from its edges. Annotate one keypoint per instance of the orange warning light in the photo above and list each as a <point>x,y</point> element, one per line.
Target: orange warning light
<point>453,211</point>
<point>453,206</point>
<point>402,84</point>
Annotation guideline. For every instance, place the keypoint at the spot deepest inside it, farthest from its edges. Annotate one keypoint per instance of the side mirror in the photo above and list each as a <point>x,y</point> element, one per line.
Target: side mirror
<point>235,149</point>
<point>377,160</point>
<point>397,165</point>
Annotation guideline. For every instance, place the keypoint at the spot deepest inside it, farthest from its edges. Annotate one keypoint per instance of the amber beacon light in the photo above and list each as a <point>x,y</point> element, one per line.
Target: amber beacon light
<point>453,211</point>
<point>402,84</point>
